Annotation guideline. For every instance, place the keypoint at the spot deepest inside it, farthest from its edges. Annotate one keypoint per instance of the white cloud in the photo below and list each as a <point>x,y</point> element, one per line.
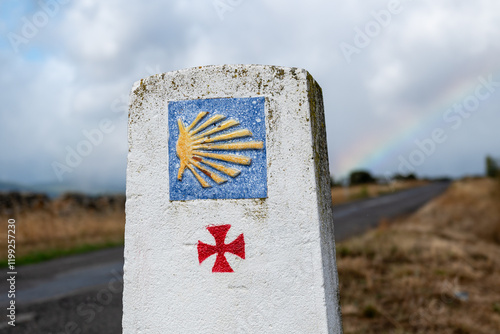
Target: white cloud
<point>68,76</point>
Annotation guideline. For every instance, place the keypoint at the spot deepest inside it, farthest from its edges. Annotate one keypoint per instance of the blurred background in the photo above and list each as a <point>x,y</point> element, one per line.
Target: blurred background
<point>412,96</point>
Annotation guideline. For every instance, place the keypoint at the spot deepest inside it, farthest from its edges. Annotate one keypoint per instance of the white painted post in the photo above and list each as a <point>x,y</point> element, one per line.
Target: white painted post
<point>229,221</point>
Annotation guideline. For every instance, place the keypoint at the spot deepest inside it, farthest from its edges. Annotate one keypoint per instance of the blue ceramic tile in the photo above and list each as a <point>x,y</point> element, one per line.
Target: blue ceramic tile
<point>251,182</point>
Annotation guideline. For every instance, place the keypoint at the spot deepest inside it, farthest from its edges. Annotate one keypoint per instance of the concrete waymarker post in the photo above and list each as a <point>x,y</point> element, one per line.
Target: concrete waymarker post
<point>229,222</point>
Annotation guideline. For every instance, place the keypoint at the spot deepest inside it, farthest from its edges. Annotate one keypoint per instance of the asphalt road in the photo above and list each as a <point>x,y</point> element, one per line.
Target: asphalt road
<point>83,294</point>
<point>354,218</point>
<point>72,295</point>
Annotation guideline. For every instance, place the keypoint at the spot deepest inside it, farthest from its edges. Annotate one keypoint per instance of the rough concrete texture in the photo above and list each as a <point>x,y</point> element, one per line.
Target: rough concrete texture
<point>287,282</point>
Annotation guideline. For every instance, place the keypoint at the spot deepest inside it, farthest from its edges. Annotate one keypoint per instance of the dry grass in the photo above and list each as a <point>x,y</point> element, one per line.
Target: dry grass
<point>342,195</point>
<point>64,224</point>
<point>437,271</point>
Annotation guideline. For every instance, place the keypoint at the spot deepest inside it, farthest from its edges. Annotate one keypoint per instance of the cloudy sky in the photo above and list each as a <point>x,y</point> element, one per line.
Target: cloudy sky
<point>408,85</point>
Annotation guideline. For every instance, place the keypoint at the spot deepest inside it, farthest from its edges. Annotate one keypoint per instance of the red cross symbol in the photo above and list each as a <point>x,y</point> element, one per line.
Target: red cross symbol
<point>237,247</point>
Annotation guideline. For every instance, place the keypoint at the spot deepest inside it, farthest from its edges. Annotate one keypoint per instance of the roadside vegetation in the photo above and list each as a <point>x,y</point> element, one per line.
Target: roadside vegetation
<point>362,185</point>
<point>436,271</point>
<point>362,191</point>
<point>67,225</point>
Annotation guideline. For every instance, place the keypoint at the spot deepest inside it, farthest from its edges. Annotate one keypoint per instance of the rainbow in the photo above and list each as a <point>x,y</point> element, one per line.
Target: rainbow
<point>373,151</point>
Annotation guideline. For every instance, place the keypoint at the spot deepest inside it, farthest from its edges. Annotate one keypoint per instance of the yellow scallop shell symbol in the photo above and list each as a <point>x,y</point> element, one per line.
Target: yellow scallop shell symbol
<point>194,145</point>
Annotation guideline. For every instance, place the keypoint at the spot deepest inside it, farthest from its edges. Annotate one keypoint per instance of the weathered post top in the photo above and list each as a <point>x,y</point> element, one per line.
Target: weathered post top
<point>229,222</point>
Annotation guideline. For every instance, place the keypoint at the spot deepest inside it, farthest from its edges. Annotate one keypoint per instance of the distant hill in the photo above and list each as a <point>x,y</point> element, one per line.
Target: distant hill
<point>9,186</point>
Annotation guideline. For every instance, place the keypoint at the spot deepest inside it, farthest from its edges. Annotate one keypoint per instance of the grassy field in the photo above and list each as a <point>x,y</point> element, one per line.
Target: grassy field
<point>436,271</point>
<point>71,224</point>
